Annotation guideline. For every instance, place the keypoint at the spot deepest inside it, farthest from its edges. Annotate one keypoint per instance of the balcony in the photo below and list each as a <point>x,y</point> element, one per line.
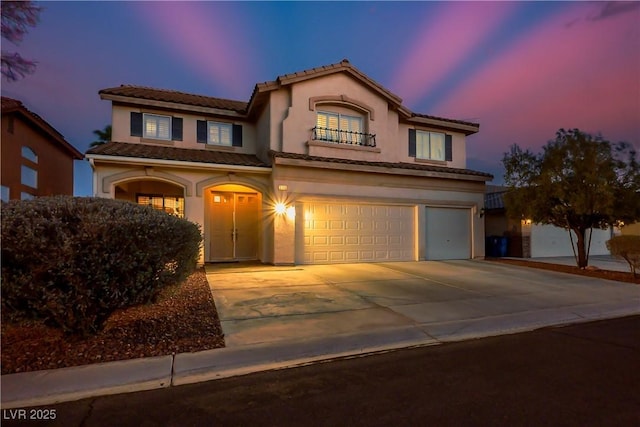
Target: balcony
<point>344,137</point>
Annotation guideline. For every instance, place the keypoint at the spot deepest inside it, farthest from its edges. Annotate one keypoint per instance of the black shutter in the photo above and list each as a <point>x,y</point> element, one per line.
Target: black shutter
<point>136,124</point>
<point>412,142</point>
<point>176,128</point>
<point>236,136</point>
<point>448,148</point>
<point>202,131</point>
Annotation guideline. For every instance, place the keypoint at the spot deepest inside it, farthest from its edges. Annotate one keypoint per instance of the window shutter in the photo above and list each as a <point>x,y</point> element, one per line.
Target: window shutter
<point>237,136</point>
<point>448,148</point>
<point>412,142</point>
<point>202,131</point>
<point>176,128</point>
<point>136,124</point>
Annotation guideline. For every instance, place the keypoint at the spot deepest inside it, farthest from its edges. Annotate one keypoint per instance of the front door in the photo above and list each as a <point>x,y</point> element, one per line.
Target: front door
<point>233,226</point>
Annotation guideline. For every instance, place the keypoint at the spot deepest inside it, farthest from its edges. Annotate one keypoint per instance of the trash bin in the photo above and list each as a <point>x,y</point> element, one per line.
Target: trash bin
<point>501,246</point>
<point>491,245</point>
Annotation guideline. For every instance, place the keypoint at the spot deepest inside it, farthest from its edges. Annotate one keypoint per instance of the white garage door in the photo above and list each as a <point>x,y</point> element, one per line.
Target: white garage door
<point>448,233</point>
<point>336,233</point>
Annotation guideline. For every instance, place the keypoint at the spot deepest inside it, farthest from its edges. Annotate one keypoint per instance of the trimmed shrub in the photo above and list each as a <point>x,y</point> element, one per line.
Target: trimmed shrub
<point>627,247</point>
<point>73,261</point>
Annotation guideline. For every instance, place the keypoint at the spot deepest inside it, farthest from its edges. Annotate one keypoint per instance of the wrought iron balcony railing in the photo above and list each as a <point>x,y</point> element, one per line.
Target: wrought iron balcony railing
<point>344,137</point>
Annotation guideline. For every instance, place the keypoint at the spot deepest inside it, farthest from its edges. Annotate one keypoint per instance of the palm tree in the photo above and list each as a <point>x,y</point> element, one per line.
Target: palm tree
<point>103,136</point>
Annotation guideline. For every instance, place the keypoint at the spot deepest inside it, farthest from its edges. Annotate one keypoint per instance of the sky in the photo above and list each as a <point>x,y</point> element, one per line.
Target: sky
<point>522,70</point>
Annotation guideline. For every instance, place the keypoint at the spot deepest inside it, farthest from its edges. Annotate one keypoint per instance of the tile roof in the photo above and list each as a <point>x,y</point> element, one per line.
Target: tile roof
<point>148,151</point>
<point>409,166</point>
<point>10,105</point>
<point>341,66</point>
<point>494,197</point>
<point>257,97</point>
<point>174,96</point>
<point>461,122</point>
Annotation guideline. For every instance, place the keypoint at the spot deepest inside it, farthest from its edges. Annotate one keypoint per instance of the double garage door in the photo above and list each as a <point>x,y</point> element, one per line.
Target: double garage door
<point>344,233</point>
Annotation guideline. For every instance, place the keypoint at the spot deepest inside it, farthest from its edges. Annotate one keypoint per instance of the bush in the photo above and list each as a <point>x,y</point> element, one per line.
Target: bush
<point>627,247</point>
<point>73,261</point>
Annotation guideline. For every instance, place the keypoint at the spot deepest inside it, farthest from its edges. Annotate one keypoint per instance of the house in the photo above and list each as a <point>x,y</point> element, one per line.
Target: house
<point>319,166</point>
<point>527,240</point>
<point>36,159</point>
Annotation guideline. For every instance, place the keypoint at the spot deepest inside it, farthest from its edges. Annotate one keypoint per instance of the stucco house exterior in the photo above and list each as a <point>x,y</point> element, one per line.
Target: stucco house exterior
<point>319,166</point>
<point>36,159</point>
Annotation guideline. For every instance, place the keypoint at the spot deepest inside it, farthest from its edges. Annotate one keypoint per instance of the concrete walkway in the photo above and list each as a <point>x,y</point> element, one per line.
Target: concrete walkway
<point>276,317</point>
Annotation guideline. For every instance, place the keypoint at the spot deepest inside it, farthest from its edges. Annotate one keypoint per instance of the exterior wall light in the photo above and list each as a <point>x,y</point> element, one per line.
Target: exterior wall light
<point>280,208</point>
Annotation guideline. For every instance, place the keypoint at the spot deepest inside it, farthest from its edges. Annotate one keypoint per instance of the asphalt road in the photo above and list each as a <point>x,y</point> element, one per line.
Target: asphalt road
<point>580,375</point>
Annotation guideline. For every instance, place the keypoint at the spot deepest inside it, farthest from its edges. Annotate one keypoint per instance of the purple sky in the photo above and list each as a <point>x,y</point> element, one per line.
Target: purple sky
<point>522,70</point>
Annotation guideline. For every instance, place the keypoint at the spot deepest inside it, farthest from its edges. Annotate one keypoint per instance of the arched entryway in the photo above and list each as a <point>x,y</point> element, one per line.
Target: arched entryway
<point>232,223</point>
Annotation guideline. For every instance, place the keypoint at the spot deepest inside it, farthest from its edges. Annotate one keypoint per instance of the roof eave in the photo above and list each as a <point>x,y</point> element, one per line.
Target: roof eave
<point>122,99</point>
<point>466,128</point>
<point>144,161</point>
<point>49,130</point>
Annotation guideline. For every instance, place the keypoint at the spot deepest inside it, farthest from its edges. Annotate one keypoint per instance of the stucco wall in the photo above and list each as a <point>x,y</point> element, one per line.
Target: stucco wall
<point>293,115</point>
<point>547,241</point>
<point>121,117</point>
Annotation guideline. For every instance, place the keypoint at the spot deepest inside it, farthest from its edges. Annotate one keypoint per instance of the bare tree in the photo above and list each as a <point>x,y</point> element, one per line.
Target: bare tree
<point>17,17</point>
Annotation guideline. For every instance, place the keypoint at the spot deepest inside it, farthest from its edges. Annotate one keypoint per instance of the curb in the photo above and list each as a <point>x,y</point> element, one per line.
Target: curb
<point>79,382</point>
<point>74,383</point>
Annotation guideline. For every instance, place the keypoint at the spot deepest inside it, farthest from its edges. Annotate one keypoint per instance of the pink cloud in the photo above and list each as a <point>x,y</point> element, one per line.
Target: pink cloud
<point>447,38</point>
<point>584,75</point>
<point>206,37</point>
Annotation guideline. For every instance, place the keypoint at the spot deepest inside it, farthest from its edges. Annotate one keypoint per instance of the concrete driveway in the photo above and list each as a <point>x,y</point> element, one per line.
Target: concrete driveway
<point>408,302</point>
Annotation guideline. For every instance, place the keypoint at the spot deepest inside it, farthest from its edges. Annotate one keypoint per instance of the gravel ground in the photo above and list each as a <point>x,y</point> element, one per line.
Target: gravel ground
<point>184,320</point>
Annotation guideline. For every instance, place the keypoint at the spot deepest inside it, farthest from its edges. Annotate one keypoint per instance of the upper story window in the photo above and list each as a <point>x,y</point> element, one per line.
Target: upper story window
<point>29,154</point>
<point>430,145</point>
<point>29,176</point>
<point>219,133</point>
<point>341,128</point>
<point>156,126</point>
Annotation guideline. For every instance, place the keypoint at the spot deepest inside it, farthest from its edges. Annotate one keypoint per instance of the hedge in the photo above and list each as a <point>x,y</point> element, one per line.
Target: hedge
<point>627,247</point>
<point>73,261</point>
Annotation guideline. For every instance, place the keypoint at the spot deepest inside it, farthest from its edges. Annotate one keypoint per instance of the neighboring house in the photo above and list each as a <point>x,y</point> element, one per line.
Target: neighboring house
<point>528,240</point>
<point>320,166</point>
<point>36,159</point>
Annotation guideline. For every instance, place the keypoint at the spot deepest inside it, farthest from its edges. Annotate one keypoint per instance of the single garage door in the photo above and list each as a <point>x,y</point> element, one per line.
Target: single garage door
<point>448,233</point>
<point>335,233</point>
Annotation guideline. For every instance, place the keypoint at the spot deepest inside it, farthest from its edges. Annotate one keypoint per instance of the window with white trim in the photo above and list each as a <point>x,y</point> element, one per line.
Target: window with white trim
<point>430,145</point>
<point>337,127</point>
<point>169,204</point>
<point>219,133</point>
<point>157,127</point>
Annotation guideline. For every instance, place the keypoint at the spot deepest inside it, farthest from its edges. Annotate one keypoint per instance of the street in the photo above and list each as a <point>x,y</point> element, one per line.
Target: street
<point>583,375</point>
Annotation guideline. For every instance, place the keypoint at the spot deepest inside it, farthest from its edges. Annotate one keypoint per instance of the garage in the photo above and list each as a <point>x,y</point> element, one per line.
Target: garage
<point>342,233</point>
<point>448,233</point>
